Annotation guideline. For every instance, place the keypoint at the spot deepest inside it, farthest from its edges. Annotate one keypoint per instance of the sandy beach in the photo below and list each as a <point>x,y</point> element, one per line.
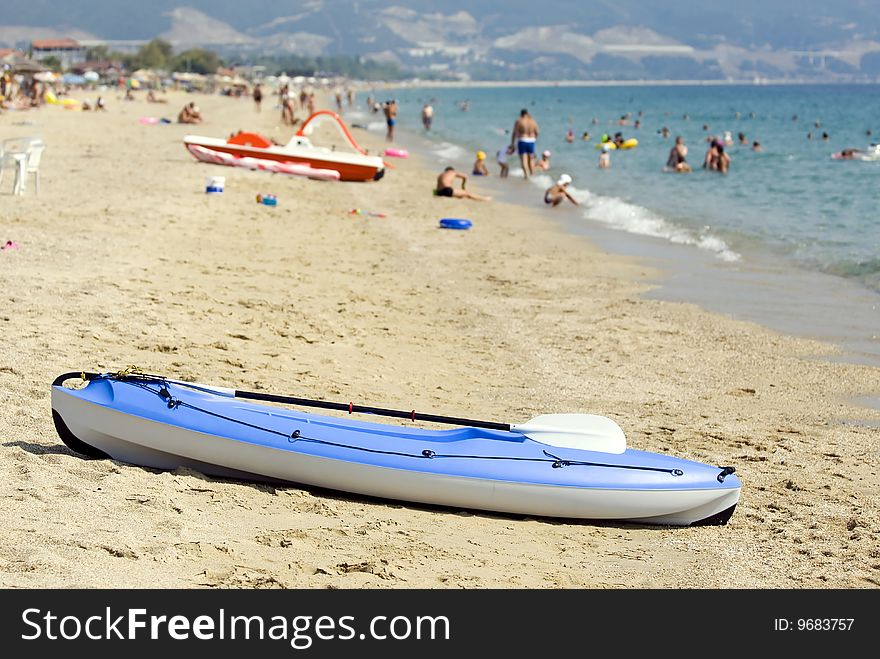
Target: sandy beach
<point>123,259</point>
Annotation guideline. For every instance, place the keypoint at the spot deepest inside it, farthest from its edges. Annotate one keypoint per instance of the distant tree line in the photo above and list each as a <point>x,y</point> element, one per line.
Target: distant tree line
<point>159,54</point>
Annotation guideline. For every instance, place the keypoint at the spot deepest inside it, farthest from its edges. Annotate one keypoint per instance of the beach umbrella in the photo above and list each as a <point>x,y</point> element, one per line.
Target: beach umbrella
<point>73,79</point>
<point>91,76</point>
<point>25,65</point>
<point>45,76</point>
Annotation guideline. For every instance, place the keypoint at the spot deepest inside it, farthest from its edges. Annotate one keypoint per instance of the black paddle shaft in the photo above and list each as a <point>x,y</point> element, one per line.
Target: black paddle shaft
<point>364,409</point>
<point>327,405</point>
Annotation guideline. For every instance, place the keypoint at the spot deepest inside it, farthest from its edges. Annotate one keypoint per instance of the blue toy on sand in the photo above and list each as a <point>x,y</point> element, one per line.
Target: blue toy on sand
<point>455,223</point>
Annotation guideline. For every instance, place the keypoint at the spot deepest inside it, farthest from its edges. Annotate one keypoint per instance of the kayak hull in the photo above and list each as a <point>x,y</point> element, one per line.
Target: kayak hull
<point>133,424</point>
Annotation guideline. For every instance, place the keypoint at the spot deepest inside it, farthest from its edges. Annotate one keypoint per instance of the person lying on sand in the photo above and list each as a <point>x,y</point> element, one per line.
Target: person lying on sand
<point>445,182</point>
<point>151,98</point>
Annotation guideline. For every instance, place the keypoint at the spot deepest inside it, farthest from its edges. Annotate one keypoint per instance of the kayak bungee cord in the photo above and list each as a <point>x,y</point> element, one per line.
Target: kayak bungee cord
<point>588,431</point>
<point>296,436</point>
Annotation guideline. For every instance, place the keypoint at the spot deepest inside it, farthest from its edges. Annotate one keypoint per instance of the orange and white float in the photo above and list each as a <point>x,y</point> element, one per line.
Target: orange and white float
<point>351,166</point>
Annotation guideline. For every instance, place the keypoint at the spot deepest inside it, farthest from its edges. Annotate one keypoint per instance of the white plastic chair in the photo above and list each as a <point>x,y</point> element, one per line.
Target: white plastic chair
<point>11,151</point>
<point>35,153</point>
<point>28,163</point>
<point>5,158</point>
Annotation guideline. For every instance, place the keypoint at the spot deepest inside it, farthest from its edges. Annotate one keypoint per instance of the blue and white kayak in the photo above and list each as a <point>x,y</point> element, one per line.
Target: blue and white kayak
<point>161,423</point>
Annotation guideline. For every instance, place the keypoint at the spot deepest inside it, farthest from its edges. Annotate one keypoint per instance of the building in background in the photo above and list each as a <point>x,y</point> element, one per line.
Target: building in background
<point>124,46</point>
<point>66,51</point>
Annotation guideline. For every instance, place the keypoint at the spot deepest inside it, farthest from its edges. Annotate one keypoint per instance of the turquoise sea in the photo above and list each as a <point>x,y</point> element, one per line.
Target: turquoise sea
<point>790,203</point>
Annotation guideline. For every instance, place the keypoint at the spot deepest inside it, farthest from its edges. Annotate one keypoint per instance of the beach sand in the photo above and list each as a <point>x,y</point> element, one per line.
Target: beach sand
<point>123,259</point>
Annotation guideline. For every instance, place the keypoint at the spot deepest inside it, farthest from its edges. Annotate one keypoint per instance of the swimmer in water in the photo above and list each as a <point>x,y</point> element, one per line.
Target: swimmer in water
<point>605,156</point>
<point>544,163</point>
<point>677,161</point>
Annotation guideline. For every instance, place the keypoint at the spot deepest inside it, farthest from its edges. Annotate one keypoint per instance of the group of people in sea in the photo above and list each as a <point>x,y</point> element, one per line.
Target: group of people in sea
<point>524,137</point>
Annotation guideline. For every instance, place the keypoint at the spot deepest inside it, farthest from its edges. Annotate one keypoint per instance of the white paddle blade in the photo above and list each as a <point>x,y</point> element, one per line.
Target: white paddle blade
<point>588,432</point>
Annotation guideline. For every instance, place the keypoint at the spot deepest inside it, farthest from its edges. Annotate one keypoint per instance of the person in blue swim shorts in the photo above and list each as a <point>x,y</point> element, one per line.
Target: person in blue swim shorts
<point>524,136</point>
<point>390,109</point>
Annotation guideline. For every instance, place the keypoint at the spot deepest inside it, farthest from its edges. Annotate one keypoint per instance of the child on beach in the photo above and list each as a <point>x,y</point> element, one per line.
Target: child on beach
<point>501,158</point>
<point>559,191</point>
<point>605,157</point>
<point>544,162</point>
<point>480,168</point>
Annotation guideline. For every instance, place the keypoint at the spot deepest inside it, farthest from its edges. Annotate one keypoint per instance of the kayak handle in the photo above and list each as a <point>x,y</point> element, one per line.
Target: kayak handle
<point>80,375</point>
<point>725,472</point>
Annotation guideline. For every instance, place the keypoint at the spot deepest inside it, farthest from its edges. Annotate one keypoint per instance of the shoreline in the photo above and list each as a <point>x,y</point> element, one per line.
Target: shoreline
<point>759,288</point>
<point>511,318</point>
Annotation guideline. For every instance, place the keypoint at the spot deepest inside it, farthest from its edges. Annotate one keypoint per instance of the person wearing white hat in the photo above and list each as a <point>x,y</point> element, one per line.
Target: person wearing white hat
<point>559,191</point>
<point>544,162</point>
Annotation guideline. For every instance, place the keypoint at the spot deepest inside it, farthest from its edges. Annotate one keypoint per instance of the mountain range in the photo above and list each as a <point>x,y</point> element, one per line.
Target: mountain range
<point>500,39</point>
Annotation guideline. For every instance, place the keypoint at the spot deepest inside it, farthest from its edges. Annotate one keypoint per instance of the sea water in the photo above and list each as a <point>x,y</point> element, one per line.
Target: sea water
<point>789,204</point>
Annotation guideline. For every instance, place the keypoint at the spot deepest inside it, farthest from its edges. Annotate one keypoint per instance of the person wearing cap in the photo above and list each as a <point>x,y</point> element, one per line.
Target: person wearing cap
<point>480,168</point>
<point>559,191</point>
<point>716,159</point>
<point>544,162</point>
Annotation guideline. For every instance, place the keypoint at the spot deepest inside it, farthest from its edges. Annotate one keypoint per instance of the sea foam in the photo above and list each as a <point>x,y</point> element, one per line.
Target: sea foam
<point>632,218</point>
